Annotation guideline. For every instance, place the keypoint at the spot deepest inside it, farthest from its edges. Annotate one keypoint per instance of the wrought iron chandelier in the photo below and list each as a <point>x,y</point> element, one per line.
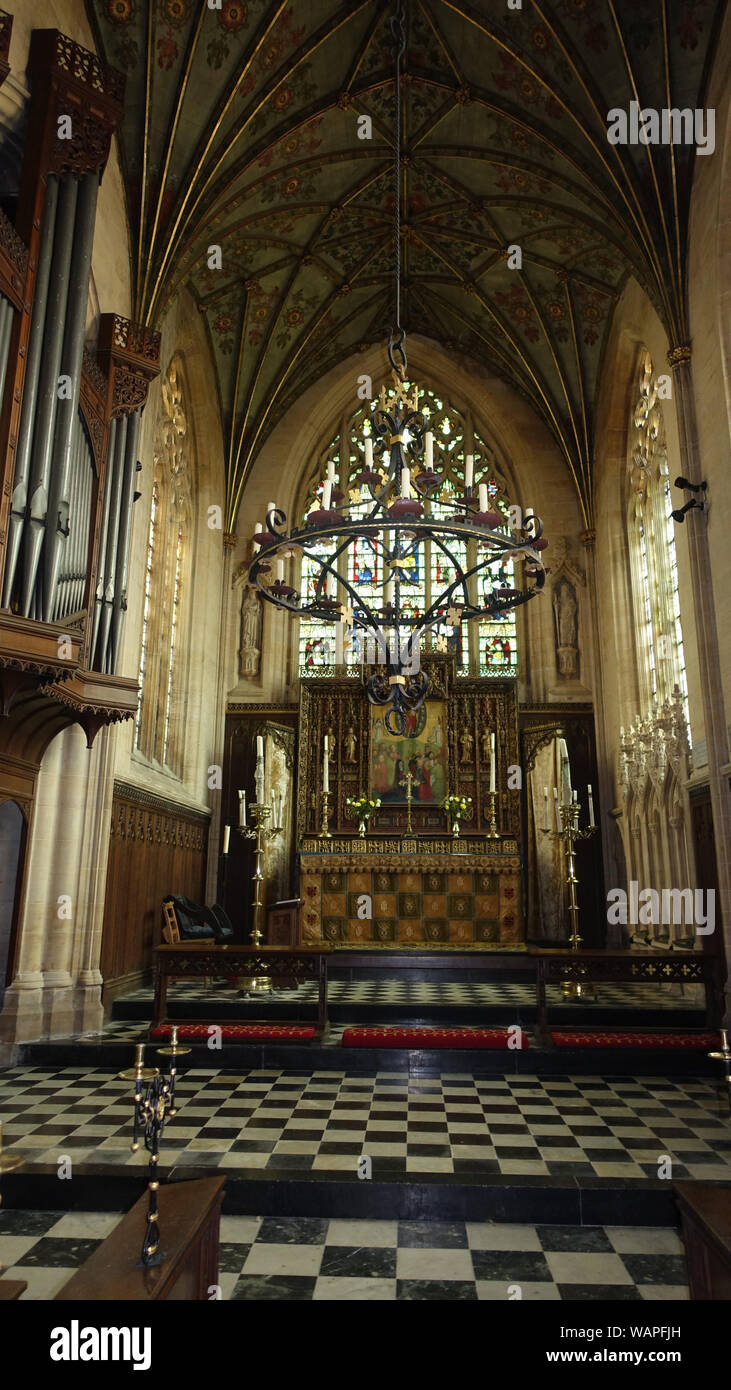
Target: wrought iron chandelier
<point>400,483</point>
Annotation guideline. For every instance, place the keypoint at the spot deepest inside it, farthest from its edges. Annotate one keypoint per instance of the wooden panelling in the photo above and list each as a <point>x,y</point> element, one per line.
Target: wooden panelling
<point>156,848</point>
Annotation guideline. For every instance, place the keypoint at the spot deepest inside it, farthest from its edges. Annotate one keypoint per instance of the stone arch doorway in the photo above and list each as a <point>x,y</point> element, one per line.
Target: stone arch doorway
<point>12,854</point>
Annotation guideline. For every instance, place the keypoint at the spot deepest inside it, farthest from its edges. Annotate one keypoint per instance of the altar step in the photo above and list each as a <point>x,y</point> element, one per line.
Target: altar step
<point>571,1201</point>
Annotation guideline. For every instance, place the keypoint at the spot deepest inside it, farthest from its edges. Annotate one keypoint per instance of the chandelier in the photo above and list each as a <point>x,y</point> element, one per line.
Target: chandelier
<point>401,486</point>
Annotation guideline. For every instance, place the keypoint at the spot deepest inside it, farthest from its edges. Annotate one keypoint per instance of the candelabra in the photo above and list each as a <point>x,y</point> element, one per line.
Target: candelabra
<point>261,834</point>
<point>567,817</point>
<point>407,781</point>
<point>154,1100</point>
<point>724,1056</point>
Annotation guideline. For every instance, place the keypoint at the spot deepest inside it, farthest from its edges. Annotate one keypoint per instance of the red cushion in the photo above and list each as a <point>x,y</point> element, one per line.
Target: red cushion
<point>239,1032</point>
<point>493,1038</point>
<point>702,1041</point>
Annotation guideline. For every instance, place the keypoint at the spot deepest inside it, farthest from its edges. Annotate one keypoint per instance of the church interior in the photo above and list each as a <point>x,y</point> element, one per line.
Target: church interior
<point>365,650</point>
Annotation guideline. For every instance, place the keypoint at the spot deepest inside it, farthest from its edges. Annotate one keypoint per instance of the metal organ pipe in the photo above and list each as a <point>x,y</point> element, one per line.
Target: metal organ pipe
<point>119,604</point>
<point>99,595</point>
<point>6,328</point>
<point>115,505</point>
<point>67,410</point>
<point>88,487</point>
<point>30,389</point>
<point>40,466</point>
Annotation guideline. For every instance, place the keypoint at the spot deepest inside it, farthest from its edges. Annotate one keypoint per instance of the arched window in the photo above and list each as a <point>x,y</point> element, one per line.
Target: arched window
<point>653,557</point>
<point>158,733</point>
<point>488,648</point>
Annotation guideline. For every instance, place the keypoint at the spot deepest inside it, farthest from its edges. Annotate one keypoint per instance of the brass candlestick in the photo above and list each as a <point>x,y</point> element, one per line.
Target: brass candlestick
<point>324,832</point>
<point>154,1100</point>
<point>569,833</point>
<point>260,833</point>
<point>724,1056</point>
<point>493,833</point>
<point>407,781</point>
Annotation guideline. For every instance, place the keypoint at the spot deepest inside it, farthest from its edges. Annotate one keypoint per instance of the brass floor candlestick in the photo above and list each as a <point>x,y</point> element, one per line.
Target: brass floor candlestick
<point>724,1056</point>
<point>154,1100</point>
<point>407,781</point>
<point>260,833</point>
<point>324,832</point>
<point>569,833</point>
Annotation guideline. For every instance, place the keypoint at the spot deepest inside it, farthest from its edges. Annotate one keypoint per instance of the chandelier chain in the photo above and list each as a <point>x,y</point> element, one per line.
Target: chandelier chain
<point>396,351</point>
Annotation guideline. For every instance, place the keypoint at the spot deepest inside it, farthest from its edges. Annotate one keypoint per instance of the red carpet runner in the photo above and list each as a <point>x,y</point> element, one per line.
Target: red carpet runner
<point>238,1032</point>
<point>702,1041</point>
<point>477,1038</point>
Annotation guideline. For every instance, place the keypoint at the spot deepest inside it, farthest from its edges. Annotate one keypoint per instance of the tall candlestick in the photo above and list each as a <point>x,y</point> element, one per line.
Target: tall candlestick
<point>469,470</point>
<point>389,591</point>
<point>330,471</point>
<point>260,747</point>
<point>368,442</point>
<point>280,571</point>
<point>591,806</point>
<point>242,808</point>
<point>492,763</point>
<point>482,490</point>
<point>429,449</point>
<point>325,770</point>
<point>545,808</point>
<point>331,585</point>
<point>226,837</point>
<point>405,482</point>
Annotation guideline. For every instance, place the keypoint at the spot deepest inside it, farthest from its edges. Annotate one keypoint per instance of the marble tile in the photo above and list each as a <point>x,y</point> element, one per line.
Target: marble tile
<point>359,1290</point>
<point>587,1268</point>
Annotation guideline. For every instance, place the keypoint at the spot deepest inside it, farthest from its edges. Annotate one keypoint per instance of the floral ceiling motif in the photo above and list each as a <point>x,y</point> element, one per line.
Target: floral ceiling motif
<point>241,131</point>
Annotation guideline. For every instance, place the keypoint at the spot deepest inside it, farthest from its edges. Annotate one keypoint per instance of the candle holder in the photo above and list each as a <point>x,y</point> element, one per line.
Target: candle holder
<point>154,1101</point>
<point>407,781</point>
<point>569,833</point>
<point>725,1056</point>
<point>324,832</point>
<point>493,833</point>
<point>261,834</point>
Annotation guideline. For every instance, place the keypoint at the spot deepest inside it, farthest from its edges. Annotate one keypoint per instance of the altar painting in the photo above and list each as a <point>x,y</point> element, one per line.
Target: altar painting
<point>422,751</point>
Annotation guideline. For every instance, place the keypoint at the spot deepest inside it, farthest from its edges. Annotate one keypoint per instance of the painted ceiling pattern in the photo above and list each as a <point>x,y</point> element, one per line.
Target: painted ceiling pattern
<point>241,130</point>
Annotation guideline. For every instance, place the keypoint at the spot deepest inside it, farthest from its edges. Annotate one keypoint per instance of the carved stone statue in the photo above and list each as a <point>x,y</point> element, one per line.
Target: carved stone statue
<point>251,625</point>
<point>331,743</point>
<point>485,745</point>
<point>565,619</point>
<point>468,744</point>
<point>350,745</point>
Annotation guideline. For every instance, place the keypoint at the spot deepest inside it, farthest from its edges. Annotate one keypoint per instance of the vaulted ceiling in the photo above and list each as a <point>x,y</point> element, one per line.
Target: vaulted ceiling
<point>241,130</point>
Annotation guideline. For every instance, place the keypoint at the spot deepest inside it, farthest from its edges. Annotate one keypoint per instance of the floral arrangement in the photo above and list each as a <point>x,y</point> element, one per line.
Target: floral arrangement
<point>458,807</point>
<point>361,807</point>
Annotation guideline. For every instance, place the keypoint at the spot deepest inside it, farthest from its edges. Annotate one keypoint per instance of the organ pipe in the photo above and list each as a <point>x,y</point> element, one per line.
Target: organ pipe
<point>119,604</point>
<point>99,596</point>
<point>6,327</point>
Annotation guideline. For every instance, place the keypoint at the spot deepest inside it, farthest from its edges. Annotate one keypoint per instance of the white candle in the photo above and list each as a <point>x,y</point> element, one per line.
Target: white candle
<point>492,762</point>
<point>280,571</point>
<point>259,748</point>
<point>331,586</point>
<point>429,449</point>
<point>327,488</point>
<point>331,471</point>
<point>591,805</point>
<point>226,837</point>
<point>469,470</point>
<point>574,796</point>
<point>257,532</point>
<point>242,808</point>
<point>483,496</point>
<point>559,826</point>
<point>545,808</point>
<point>325,769</point>
<point>405,482</point>
<point>271,507</point>
<point>368,441</point>
<point>390,588</point>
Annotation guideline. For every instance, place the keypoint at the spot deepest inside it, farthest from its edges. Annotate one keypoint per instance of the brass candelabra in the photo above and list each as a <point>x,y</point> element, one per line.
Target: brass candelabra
<point>407,781</point>
<point>725,1056</point>
<point>154,1101</point>
<point>324,832</point>
<point>261,834</point>
<point>493,833</point>
<point>567,830</point>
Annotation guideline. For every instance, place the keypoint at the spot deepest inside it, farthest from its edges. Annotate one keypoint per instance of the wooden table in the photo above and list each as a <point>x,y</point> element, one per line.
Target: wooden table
<point>299,963</point>
<point>553,966</point>
<point>706,1216</point>
<point>190,1215</point>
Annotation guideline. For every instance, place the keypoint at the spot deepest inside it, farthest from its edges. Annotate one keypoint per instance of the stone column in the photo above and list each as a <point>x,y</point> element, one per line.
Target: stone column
<point>714,710</point>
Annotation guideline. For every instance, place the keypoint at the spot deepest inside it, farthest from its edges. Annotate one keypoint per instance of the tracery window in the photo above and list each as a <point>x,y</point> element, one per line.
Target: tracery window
<point>653,554</point>
<point>159,724</point>
<point>488,648</point>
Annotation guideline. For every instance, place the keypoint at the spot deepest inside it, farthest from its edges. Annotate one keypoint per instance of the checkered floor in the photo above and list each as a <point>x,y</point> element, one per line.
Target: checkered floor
<point>453,993</point>
<point>609,1127</point>
<point>266,1258</point>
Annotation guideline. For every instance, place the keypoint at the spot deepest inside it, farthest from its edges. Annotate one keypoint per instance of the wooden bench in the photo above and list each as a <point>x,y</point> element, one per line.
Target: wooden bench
<point>190,1217</point>
<point>193,960</point>
<point>705,1213</point>
<point>554,965</point>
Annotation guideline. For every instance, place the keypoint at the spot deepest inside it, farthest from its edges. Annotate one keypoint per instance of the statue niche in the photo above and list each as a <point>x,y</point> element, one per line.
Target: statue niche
<point>251,626</point>
<point>566,627</point>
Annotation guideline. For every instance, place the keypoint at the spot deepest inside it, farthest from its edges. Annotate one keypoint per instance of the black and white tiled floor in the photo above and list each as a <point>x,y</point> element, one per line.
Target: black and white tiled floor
<point>268,1258</point>
<point>605,1126</point>
<point>454,993</point>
